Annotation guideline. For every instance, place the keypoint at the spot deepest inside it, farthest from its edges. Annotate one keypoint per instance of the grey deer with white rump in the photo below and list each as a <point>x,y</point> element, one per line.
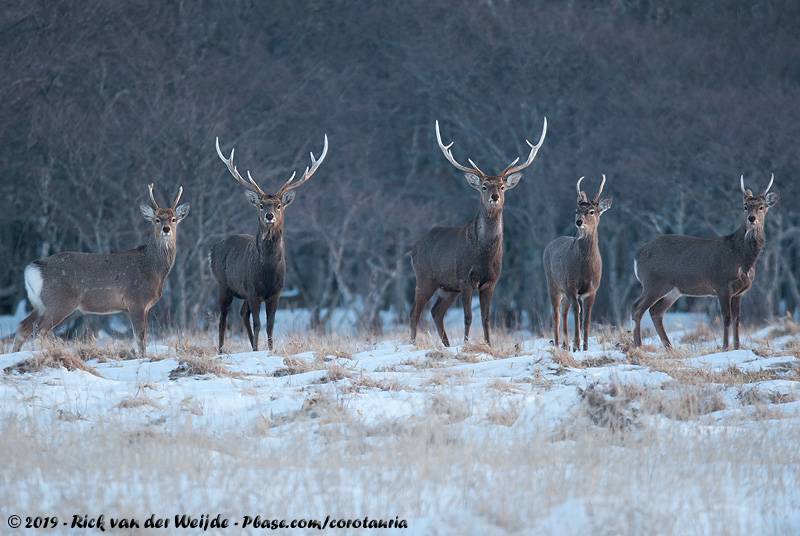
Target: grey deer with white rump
<point>131,281</point>
<point>453,260</point>
<point>671,265</point>
<point>253,268</point>
<point>573,267</point>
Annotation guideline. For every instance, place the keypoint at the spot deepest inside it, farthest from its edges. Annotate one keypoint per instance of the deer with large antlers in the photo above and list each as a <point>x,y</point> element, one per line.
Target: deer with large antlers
<point>573,267</point>
<point>253,268</point>
<point>672,265</point>
<point>460,260</point>
<point>130,282</point>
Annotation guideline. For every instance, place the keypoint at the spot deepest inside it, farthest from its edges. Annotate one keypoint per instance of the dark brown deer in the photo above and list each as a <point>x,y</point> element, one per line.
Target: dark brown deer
<point>253,268</point>
<point>573,267</point>
<point>459,260</point>
<point>129,282</point>
<point>671,266</point>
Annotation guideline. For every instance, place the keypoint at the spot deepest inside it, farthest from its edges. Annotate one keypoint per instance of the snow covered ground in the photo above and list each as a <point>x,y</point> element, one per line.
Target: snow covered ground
<point>516,439</point>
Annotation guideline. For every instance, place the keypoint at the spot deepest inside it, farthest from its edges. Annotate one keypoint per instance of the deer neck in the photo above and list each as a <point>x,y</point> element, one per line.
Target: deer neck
<point>586,241</point>
<point>270,243</point>
<point>748,244</point>
<point>488,227</point>
<point>160,255</point>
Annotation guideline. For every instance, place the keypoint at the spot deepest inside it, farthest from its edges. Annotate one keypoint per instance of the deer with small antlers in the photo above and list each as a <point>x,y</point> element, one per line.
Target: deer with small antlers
<point>253,268</point>
<point>573,268</point>
<point>459,260</point>
<point>131,281</point>
<point>671,266</point>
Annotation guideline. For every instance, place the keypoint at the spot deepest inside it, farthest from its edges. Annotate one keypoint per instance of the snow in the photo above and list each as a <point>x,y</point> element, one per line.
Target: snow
<point>461,440</point>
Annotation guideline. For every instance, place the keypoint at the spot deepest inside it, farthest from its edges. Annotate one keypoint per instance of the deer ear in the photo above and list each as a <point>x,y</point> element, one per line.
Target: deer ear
<point>148,213</point>
<point>182,211</point>
<point>772,198</point>
<point>287,198</point>
<point>604,204</point>
<point>474,180</point>
<point>512,180</point>
<point>253,197</point>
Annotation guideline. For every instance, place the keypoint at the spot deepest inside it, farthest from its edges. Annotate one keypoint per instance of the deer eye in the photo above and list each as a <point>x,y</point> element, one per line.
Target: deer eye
<point>277,207</point>
<point>158,220</point>
<point>484,187</point>
<point>591,212</point>
<point>174,220</point>
<point>761,207</point>
<point>261,206</point>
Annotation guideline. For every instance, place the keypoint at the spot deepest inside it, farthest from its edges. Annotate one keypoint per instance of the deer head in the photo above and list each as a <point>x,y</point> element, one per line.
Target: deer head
<point>587,213</point>
<point>165,221</point>
<point>756,207</point>
<point>271,206</point>
<point>492,187</point>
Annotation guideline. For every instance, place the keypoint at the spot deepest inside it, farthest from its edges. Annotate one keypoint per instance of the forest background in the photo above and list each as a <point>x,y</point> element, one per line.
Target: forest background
<point>672,99</point>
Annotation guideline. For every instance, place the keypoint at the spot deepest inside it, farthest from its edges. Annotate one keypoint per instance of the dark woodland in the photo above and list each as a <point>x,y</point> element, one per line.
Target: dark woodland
<point>672,99</point>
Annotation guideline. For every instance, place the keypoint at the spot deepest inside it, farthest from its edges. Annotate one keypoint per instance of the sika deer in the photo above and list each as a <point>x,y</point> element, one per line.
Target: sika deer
<point>253,268</point>
<point>453,260</point>
<point>671,266</point>
<point>129,282</point>
<point>573,267</point>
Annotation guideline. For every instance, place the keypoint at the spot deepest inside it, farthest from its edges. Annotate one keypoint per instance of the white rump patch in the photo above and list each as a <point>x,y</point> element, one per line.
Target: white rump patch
<point>33,285</point>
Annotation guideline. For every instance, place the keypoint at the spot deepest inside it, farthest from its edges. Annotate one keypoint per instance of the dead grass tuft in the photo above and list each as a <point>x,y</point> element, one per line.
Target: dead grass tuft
<point>608,407</point>
<point>56,357</point>
<point>199,366</point>
<point>564,358</point>
<point>297,365</point>
<point>702,333</point>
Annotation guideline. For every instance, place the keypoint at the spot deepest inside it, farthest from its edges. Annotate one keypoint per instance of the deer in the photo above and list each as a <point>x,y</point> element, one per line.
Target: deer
<point>130,282</point>
<point>253,268</point>
<point>450,261</point>
<point>671,266</point>
<point>573,268</point>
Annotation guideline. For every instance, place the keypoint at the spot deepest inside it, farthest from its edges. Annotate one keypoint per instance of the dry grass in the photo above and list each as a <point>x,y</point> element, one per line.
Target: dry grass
<point>199,366</point>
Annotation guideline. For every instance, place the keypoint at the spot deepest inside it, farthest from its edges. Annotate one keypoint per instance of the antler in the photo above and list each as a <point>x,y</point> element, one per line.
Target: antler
<point>769,185</point>
<point>581,195</point>
<point>531,156</point>
<point>601,189</point>
<point>235,172</point>
<point>449,155</point>
<point>308,172</point>
<point>153,199</point>
<point>180,192</point>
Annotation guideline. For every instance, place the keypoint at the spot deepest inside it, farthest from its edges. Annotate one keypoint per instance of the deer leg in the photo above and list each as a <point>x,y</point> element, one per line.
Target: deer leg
<point>422,295</point>
<point>245,314</point>
<point>444,300</point>
<point>657,311</point>
<point>645,302</point>
<point>225,298</point>
<point>485,296</point>
<point>466,303</point>
<point>565,323</point>
<point>271,307</point>
<point>255,310</point>
<point>736,303</point>
<point>725,307</point>
<point>138,318</point>
<point>25,329</point>
<point>555,301</point>
<point>588,302</point>
<point>575,303</point>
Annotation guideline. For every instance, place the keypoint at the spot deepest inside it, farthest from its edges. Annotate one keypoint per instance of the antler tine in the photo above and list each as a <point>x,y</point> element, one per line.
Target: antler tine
<point>769,185</point>
<point>601,189</point>
<point>180,193</point>
<point>307,173</point>
<point>449,155</point>
<point>153,199</point>
<point>578,189</point>
<point>235,172</point>
<point>741,184</point>
<point>531,156</point>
